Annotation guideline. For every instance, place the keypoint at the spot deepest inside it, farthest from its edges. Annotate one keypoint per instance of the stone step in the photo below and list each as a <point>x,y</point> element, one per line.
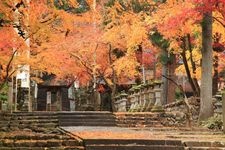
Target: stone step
<point>5,118</point>
<point>34,117</point>
<point>74,148</point>
<point>40,113</point>
<point>85,113</point>
<point>139,114</point>
<point>32,121</point>
<point>87,120</point>
<point>132,144</point>
<point>133,147</point>
<point>136,121</point>
<point>38,122</point>
<point>61,117</point>
<point>204,144</point>
<point>75,123</point>
<point>204,148</point>
<point>132,141</point>
<point>71,142</point>
<point>29,143</point>
<point>38,143</point>
<point>138,118</point>
<point>28,125</point>
<point>139,125</point>
<point>35,137</point>
<point>44,148</point>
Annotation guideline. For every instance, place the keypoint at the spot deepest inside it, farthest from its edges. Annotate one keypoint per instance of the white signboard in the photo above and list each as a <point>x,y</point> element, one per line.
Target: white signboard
<point>49,97</point>
<point>24,74</point>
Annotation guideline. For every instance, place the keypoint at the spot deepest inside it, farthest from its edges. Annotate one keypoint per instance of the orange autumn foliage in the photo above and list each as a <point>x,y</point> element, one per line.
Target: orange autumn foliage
<point>65,43</point>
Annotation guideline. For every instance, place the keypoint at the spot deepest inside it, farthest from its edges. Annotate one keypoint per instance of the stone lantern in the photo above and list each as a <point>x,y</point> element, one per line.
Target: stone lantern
<point>131,99</point>
<point>150,96</point>
<point>141,97</point>
<point>117,98</point>
<point>136,98</point>
<point>158,102</point>
<point>145,97</point>
<point>124,101</point>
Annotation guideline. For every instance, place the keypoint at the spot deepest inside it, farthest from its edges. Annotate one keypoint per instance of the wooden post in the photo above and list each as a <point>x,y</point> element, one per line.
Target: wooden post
<point>223,112</point>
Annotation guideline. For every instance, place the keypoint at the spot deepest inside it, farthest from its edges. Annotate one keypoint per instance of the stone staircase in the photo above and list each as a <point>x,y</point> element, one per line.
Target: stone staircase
<point>40,131</point>
<point>203,145</point>
<point>132,144</point>
<point>35,119</point>
<point>86,118</point>
<point>21,120</point>
<point>35,131</point>
<point>138,119</point>
<point>27,140</point>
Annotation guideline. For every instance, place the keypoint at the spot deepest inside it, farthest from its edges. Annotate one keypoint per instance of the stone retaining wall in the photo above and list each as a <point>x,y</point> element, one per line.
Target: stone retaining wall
<point>176,113</point>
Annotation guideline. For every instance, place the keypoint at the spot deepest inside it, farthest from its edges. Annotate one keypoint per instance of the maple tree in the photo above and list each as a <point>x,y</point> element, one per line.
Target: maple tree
<point>9,41</point>
<point>34,27</point>
<point>92,40</point>
<point>52,30</point>
<point>27,27</point>
<point>184,20</point>
<point>106,51</point>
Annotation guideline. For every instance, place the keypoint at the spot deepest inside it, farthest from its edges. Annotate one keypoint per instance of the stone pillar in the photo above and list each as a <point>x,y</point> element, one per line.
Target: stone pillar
<point>116,103</point>
<point>132,102</point>
<point>151,95</point>
<point>143,97</point>
<point>122,103</point>
<point>158,102</point>
<point>139,101</point>
<point>146,99</point>
<point>128,102</point>
<point>136,102</point>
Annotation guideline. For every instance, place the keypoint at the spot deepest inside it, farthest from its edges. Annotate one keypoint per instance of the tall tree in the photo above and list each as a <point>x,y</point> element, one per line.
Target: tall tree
<point>183,20</point>
<point>206,109</point>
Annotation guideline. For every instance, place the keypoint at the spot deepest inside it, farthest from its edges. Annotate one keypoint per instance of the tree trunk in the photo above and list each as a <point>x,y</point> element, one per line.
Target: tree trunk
<point>164,80</point>
<point>216,75</point>
<point>171,75</point>
<point>206,108</point>
<point>195,81</point>
<point>183,54</point>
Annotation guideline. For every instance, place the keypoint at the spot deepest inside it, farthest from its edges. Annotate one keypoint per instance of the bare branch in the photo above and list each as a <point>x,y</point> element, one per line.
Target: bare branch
<point>218,20</point>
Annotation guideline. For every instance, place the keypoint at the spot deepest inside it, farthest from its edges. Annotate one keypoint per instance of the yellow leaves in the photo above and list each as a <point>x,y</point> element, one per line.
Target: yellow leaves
<point>196,56</point>
<point>175,46</point>
<point>126,31</point>
<point>137,35</point>
<point>73,3</point>
<point>126,68</point>
<point>217,25</point>
<point>175,18</point>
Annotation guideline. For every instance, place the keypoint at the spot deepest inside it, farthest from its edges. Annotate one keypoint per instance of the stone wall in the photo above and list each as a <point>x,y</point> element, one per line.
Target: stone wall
<point>176,112</point>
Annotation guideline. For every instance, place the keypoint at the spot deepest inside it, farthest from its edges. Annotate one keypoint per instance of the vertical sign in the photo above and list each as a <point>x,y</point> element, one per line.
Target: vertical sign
<point>24,74</point>
<point>49,97</point>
